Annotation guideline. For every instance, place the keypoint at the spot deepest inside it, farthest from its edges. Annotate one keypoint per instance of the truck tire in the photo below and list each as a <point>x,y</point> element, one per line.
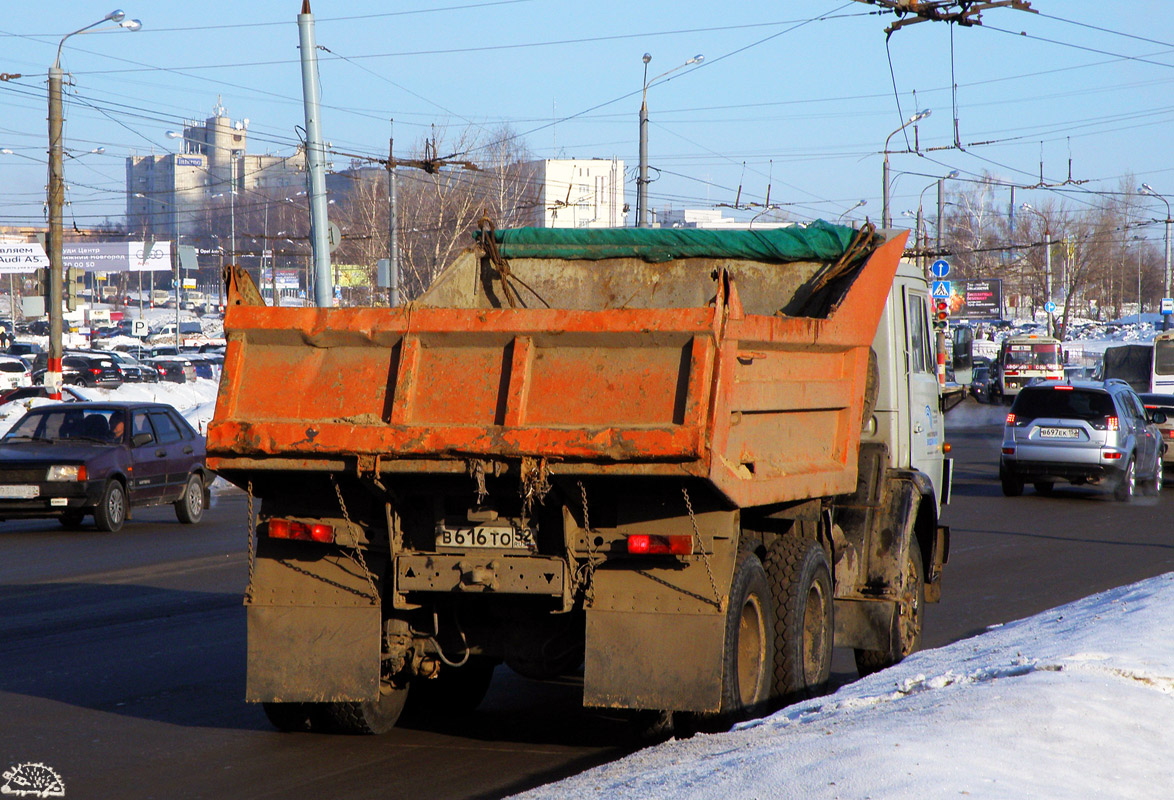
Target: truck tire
<point>189,508</point>
<point>369,716</point>
<point>798,572</point>
<point>748,659</point>
<point>111,510</point>
<point>455,690</point>
<point>906,633</point>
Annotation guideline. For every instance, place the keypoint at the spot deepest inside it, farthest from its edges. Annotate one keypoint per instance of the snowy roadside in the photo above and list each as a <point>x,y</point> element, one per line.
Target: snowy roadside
<point>1072,703</point>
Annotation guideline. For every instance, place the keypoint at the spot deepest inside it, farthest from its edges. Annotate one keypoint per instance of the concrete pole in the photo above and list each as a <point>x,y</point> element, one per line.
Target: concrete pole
<point>642,181</point>
<point>1166,274</point>
<point>56,205</point>
<point>941,204</point>
<point>1048,279</point>
<point>392,240</point>
<point>315,160</point>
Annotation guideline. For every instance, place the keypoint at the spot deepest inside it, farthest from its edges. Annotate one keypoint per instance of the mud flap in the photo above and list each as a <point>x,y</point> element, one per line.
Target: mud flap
<point>654,661</point>
<point>864,624</point>
<point>312,653</point>
<point>314,634</point>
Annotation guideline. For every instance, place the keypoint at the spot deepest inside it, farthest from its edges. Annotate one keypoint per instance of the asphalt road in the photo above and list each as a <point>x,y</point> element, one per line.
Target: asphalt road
<point>123,655</point>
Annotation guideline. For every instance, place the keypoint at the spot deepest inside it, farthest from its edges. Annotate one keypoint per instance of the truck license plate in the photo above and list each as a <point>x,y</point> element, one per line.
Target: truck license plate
<point>497,538</point>
<point>19,492</point>
<point>1059,433</point>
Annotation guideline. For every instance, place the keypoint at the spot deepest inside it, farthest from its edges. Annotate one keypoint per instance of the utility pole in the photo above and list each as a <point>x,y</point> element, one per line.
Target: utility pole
<point>392,242</point>
<point>56,204</point>
<point>315,160</point>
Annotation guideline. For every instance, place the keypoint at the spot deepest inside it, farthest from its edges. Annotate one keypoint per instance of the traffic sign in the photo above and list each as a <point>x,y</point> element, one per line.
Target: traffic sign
<point>940,268</point>
<point>1167,305</point>
<point>1049,306</point>
<point>941,290</point>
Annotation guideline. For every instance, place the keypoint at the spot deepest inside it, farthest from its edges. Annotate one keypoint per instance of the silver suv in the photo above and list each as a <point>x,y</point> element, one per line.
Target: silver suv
<point>1081,432</point>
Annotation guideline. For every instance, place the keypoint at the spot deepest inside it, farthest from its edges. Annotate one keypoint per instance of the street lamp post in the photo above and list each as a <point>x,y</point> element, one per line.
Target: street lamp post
<point>56,200</point>
<point>853,208</point>
<point>886,220</point>
<point>1047,262</point>
<point>1147,189</point>
<point>642,181</point>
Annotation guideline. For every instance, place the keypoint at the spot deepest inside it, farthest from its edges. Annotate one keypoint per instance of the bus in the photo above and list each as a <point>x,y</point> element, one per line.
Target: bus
<point>1025,357</point>
<point>1162,375</point>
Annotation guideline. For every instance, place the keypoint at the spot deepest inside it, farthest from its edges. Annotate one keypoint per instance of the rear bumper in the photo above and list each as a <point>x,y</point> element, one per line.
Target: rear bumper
<point>1056,470</point>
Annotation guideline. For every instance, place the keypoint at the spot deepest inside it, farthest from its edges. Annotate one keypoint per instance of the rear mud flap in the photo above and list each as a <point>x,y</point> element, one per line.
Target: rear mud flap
<point>864,624</point>
<point>654,661</point>
<point>313,654</point>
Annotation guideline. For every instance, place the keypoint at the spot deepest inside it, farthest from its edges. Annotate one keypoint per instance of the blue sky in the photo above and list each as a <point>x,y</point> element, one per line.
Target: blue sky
<point>797,96</point>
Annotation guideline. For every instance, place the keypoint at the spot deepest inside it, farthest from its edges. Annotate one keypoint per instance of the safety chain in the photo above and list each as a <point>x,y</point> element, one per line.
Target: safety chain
<point>357,558</point>
<point>252,532</point>
<point>585,574</point>
<point>701,546</point>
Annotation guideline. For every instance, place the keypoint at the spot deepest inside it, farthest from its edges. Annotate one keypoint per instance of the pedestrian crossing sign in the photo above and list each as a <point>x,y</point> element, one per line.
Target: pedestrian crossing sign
<point>941,290</point>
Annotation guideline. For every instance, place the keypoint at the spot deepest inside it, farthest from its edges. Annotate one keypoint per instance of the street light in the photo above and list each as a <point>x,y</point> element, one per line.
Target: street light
<point>886,220</point>
<point>642,181</point>
<point>921,197</point>
<point>1147,189</point>
<point>56,199</point>
<point>853,208</point>
<point>1047,262</point>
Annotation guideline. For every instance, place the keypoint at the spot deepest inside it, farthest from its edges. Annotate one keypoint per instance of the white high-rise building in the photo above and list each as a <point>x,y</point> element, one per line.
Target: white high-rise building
<point>576,193</point>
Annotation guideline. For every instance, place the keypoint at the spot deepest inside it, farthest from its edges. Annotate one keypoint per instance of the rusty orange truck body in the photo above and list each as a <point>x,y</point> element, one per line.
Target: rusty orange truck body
<point>685,473</point>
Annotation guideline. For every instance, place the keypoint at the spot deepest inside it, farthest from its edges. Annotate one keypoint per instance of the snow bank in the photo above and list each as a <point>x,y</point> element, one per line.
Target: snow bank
<point>1071,703</point>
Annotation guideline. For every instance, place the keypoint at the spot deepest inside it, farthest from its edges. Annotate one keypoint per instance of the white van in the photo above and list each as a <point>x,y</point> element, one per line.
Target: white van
<point>162,298</point>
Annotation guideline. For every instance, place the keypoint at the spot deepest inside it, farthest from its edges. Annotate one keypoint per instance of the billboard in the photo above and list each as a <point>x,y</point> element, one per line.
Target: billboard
<point>977,299</point>
<point>95,257</point>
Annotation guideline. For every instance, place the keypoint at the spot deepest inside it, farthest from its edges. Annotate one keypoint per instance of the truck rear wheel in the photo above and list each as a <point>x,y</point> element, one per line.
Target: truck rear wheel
<point>748,658</point>
<point>798,571</point>
<point>906,633</point>
<point>370,716</point>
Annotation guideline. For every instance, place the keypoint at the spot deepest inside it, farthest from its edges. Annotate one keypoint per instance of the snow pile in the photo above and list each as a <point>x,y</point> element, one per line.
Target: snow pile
<point>196,401</point>
<point>1071,703</point>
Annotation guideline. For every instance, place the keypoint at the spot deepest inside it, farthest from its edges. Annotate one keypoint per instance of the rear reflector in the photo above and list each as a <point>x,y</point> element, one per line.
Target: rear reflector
<point>1112,456</point>
<point>1008,451</point>
<point>648,545</point>
<point>291,529</point>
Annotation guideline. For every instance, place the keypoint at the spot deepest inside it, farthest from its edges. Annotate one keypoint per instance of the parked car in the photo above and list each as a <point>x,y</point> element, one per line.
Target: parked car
<point>14,372</point>
<point>82,368</point>
<point>69,460</point>
<point>26,392</point>
<point>1085,433</point>
<point>24,349</point>
<point>133,370</point>
<point>39,327</point>
<point>162,298</point>
<point>176,369</point>
<point>1163,403</point>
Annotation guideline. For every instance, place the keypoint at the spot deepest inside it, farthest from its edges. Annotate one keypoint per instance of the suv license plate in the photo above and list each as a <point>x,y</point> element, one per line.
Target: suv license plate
<point>1059,433</point>
<point>496,538</point>
<point>19,492</point>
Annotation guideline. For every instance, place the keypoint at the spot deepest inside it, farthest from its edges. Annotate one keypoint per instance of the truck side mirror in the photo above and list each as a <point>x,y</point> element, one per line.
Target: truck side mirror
<point>963,346</point>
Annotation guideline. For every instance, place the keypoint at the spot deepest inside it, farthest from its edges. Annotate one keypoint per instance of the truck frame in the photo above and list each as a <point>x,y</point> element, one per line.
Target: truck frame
<point>687,463</point>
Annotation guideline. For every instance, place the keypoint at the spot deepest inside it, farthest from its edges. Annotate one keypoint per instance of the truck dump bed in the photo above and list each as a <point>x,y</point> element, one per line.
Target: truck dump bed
<point>738,357</point>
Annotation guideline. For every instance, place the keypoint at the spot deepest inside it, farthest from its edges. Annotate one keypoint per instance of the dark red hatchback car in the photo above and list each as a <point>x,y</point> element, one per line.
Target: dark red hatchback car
<point>70,460</point>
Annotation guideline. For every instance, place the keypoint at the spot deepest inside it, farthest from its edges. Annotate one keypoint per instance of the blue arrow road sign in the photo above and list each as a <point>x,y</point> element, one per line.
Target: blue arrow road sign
<point>1049,306</point>
<point>941,290</point>
<point>940,268</point>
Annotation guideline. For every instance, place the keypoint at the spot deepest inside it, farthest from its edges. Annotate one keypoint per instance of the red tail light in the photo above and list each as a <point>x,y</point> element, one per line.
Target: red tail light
<point>1111,422</point>
<point>95,371</point>
<point>1058,388</point>
<point>1010,418</point>
<point>292,529</point>
<point>1112,456</point>
<point>647,545</point>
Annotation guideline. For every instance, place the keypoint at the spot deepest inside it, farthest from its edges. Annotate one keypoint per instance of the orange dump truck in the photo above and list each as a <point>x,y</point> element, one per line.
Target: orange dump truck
<point>686,462</point>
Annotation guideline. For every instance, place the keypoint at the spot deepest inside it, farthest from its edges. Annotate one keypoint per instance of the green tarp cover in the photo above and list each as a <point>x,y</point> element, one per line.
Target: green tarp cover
<point>818,241</point>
